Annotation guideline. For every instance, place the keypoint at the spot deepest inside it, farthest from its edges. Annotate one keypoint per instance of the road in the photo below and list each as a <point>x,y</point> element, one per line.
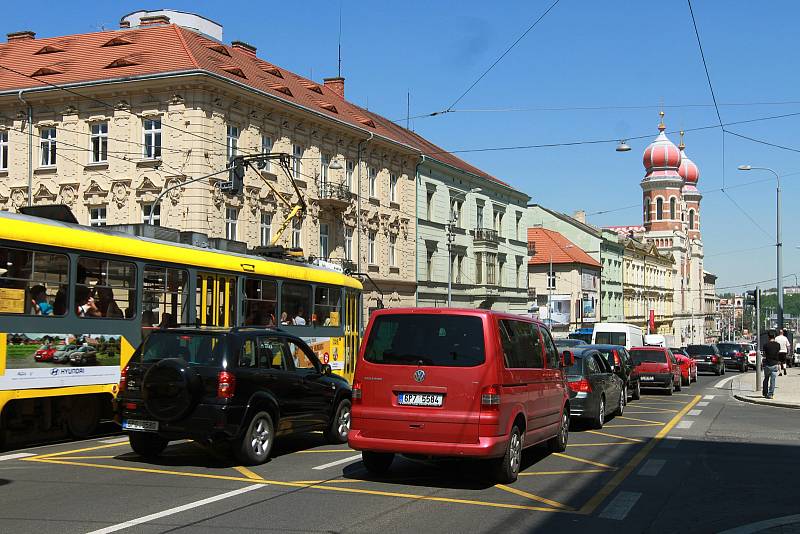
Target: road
<point>698,461</point>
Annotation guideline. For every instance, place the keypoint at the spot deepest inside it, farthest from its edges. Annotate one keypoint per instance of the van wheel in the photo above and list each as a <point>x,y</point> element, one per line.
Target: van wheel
<point>507,467</point>
<point>558,443</point>
<point>600,420</point>
<point>377,463</point>
<point>147,445</point>
<point>340,424</point>
<point>637,392</point>
<point>256,443</point>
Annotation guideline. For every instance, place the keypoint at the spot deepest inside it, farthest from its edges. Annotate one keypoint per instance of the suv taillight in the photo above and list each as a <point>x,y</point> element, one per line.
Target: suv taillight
<point>226,385</point>
<point>123,379</point>
<point>714,359</point>
<point>580,386</point>
<point>490,398</point>
<point>356,392</point>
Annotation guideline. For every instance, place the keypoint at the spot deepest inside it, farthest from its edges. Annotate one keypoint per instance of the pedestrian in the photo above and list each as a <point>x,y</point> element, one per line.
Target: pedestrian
<point>783,354</point>
<point>771,363</point>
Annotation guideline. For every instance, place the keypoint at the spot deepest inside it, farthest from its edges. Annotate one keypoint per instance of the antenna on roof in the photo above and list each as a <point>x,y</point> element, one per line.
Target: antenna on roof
<point>408,109</point>
<point>340,40</point>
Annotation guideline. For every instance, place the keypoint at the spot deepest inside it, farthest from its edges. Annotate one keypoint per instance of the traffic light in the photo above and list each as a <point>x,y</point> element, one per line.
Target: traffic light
<point>236,169</point>
<point>750,298</point>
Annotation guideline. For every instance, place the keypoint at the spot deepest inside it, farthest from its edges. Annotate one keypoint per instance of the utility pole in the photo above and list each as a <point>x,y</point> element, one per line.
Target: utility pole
<point>758,338</point>
<point>450,238</point>
<point>550,292</point>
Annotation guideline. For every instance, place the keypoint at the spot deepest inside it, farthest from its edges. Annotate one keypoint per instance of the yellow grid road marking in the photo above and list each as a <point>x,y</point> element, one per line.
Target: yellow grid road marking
<point>86,457</point>
<point>332,481</point>
<point>533,497</point>
<point>656,408</point>
<point>640,420</point>
<point>651,412</point>
<point>635,425</point>
<point>76,451</point>
<point>246,472</point>
<point>565,472</point>
<point>660,401</point>
<point>600,444</point>
<point>606,434</point>
<point>327,450</point>
<point>623,473</point>
<point>582,460</point>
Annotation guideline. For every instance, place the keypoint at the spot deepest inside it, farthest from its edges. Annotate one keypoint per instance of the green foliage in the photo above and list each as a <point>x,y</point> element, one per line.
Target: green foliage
<point>791,304</point>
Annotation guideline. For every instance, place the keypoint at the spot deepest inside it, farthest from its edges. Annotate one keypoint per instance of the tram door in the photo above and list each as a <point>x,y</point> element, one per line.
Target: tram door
<point>351,329</point>
<point>216,300</point>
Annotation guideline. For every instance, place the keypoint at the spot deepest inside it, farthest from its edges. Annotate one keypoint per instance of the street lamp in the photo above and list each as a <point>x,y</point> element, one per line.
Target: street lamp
<point>451,237</point>
<point>778,244</point>
<point>623,146</point>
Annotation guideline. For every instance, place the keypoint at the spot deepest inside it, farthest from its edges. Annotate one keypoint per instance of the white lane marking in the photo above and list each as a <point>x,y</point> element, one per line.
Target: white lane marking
<point>685,424</point>
<point>176,510</point>
<point>15,456</point>
<point>694,413</point>
<point>702,404</point>
<point>724,381</point>
<point>651,468</point>
<point>339,462</point>
<point>709,397</point>
<point>114,440</point>
<point>619,507</point>
<point>764,525</point>
<point>671,442</point>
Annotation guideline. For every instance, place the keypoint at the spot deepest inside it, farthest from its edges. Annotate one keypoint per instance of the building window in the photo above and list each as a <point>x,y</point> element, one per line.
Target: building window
<point>348,243</point>
<point>478,267</point>
<point>672,208</point>
<point>4,150</point>
<point>491,260</point>
<point>691,219</point>
<point>231,218</point>
<point>156,214</point>
<point>48,144</point>
<point>371,248</point>
<point>392,247</point>
<point>100,142</point>
<point>429,265</point>
<point>429,206</point>
<point>325,163</point>
<point>516,231</point>
<point>392,188</point>
<point>498,222</point>
<point>266,229</point>
<point>516,279</point>
<point>297,229</point>
<point>455,213</point>
<point>97,216</point>
<point>500,265</point>
<point>551,279</point>
<point>232,141</point>
<point>459,265</point>
<point>323,240</point>
<point>479,221</point>
<point>351,168</point>
<point>647,210</point>
<point>266,148</point>
<point>152,138</point>
<point>297,161</point>
<point>373,182</point>
<point>659,209</point>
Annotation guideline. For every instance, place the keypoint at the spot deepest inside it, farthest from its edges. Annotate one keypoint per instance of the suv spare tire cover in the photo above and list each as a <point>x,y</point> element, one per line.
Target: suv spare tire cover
<point>170,389</point>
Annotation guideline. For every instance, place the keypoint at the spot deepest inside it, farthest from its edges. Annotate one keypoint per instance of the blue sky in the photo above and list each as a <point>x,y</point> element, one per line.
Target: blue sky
<point>582,55</point>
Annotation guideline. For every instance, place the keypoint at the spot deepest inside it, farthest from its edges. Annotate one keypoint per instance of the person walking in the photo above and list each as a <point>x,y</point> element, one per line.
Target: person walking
<point>771,363</point>
<point>783,354</point>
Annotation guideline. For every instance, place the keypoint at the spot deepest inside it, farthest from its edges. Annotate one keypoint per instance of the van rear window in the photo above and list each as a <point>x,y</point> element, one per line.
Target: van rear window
<point>426,339</point>
<point>648,356</point>
<point>610,338</point>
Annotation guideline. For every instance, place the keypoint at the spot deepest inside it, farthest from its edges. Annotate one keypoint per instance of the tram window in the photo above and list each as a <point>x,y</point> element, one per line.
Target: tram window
<point>260,302</point>
<point>33,283</point>
<point>164,297</point>
<point>327,306</point>
<point>105,289</point>
<point>295,304</point>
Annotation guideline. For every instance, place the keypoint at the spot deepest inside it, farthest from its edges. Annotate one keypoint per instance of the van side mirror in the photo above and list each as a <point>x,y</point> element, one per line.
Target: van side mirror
<point>567,359</point>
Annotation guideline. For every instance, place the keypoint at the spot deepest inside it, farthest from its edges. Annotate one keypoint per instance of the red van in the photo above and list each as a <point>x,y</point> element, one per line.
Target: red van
<point>457,383</point>
<point>657,368</point>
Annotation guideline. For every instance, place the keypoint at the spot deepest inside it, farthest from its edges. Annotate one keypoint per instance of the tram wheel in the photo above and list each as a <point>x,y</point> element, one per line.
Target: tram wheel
<point>84,416</point>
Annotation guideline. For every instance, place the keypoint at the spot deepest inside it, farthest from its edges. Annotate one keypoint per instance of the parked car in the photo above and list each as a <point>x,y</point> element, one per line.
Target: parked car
<point>750,348</point>
<point>657,368</point>
<point>61,355</point>
<point>687,365</point>
<point>446,382</point>
<point>595,390</point>
<point>627,335</point>
<point>797,354</point>
<point>622,365</point>
<point>733,355</point>
<point>85,355</point>
<point>707,358</point>
<point>245,386</point>
<point>569,342</point>
<point>44,354</point>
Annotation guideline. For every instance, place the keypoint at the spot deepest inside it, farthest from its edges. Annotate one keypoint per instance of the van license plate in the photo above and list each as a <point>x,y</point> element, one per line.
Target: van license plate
<point>139,424</point>
<point>420,399</point>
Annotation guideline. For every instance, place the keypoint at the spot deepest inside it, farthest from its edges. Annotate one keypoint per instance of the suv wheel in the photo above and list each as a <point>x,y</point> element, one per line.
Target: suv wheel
<point>637,392</point>
<point>257,441</point>
<point>558,443</point>
<point>600,420</point>
<point>377,463</point>
<point>507,468</point>
<point>147,445</point>
<point>340,424</point>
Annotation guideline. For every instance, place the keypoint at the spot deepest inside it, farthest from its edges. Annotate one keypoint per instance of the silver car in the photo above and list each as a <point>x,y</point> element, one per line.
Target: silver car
<point>61,355</point>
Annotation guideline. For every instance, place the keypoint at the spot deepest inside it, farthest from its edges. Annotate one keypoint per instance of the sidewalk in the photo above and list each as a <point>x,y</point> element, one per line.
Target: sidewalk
<point>787,389</point>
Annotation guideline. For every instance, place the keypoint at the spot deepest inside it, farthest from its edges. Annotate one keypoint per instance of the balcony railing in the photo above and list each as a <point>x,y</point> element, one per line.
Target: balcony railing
<point>334,194</point>
<point>486,234</point>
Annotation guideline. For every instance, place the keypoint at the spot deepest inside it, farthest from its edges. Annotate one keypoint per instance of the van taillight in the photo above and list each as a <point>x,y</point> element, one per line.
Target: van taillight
<point>490,397</point>
<point>356,392</point>
<point>580,386</point>
<point>123,379</point>
<point>226,385</point>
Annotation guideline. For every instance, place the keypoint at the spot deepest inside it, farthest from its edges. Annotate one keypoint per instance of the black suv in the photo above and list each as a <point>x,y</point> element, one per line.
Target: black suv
<point>245,386</point>
<point>623,366</point>
<point>734,355</point>
<point>707,358</point>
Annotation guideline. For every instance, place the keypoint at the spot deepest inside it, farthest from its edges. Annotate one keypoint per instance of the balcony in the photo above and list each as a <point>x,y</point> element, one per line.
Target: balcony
<point>334,196</point>
<point>485,235</point>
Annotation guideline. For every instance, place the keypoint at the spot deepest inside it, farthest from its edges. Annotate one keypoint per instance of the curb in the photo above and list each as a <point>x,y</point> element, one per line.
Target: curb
<point>766,402</point>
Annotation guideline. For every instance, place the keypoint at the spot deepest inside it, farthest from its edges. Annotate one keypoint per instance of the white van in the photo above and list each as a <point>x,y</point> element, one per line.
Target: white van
<point>659,340</point>
<point>624,334</point>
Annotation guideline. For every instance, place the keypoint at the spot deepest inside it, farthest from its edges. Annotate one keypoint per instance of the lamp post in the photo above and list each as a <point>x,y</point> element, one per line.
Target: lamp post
<point>778,244</point>
<point>451,220</point>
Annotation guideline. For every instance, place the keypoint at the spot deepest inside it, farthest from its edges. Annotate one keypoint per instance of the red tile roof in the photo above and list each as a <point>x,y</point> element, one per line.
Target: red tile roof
<point>549,243</point>
<point>162,49</point>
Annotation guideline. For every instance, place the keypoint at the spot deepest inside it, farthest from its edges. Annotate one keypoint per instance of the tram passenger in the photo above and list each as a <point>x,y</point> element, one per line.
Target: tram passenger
<point>106,304</point>
<point>86,306</point>
<point>39,300</point>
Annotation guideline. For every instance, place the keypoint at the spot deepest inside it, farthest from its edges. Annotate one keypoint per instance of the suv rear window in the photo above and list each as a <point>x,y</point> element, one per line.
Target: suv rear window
<point>699,349</point>
<point>426,339</point>
<point>194,348</point>
<point>610,338</point>
<point>726,348</point>
<point>650,356</point>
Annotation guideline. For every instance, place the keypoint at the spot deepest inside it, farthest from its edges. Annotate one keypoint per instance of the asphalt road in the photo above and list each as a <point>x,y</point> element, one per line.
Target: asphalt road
<point>698,461</point>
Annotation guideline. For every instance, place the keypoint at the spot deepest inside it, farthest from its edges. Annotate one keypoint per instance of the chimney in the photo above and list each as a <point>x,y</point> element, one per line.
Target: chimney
<point>26,35</point>
<point>244,47</point>
<point>580,215</point>
<point>335,84</point>
<point>124,24</point>
<point>154,20</point>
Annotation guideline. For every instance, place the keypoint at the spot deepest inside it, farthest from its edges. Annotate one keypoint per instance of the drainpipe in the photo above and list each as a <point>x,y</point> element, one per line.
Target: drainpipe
<point>361,145</point>
<point>416,227</point>
<point>30,146</point>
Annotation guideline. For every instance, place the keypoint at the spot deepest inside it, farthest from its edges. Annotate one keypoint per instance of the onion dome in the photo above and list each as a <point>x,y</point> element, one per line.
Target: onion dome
<point>661,154</point>
<point>688,170</point>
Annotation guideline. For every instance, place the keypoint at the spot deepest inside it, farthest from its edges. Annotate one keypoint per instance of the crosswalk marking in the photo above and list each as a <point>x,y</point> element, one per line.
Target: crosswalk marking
<point>619,507</point>
<point>702,404</point>
<point>651,468</point>
<point>694,413</point>
<point>685,424</point>
<point>709,397</point>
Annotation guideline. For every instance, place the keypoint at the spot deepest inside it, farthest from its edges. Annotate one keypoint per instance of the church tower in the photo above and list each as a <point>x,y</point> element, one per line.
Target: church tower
<point>662,186</point>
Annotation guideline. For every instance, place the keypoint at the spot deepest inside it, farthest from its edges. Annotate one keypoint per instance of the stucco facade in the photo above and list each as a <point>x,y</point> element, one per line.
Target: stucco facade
<point>648,278</point>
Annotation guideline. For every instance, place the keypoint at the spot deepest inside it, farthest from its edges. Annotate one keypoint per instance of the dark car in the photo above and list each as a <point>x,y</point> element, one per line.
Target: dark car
<point>707,358</point>
<point>621,363</point>
<point>734,355</point>
<point>568,343</point>
<point>85,355</point>
<point>594,390</point>
<point>245,386</point>
<point>657,368</point>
